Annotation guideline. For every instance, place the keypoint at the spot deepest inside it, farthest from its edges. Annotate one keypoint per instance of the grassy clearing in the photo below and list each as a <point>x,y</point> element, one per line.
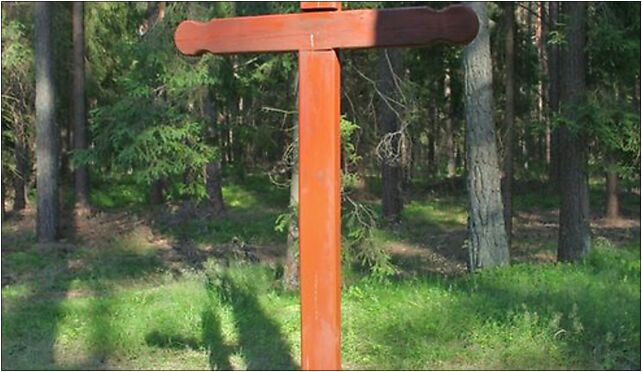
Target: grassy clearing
<point>121,303</point>
<point>523,317</point>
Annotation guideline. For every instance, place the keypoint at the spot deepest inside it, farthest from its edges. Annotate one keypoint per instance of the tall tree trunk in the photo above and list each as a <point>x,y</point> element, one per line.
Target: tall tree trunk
<point>155,13</point>
<point>612,196</point>
<point>156,192</point>
<point>79,112</point>
<point>554,96</point>
<point>574,230</point>
<point>451,166</point>
<point>47,141</point>
<point>541,35</point>
<point>389,64</point>
<point>488,245</point>
<point>291,268</point>
<point>509,120</point>
<point>213,176</point>
<point>432,139</point>
<point>19,181</point>
<point>636,95</point>
<point>214,187</point>
<point>3,196</point>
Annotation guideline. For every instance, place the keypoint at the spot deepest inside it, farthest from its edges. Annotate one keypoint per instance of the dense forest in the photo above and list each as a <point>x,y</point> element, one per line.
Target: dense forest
<point>106,127</point>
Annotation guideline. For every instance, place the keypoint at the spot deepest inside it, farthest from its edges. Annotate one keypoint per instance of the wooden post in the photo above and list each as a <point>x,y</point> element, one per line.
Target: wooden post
<point>320,209</point>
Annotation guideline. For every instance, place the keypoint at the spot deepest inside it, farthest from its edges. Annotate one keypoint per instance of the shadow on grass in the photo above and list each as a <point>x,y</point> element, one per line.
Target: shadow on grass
<point>30,319</point>
<point>212,340</point>
<point>261,342</point>
<point>30,326</point>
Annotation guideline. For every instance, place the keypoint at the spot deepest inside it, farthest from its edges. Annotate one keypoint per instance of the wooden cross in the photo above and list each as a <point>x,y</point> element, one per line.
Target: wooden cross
<point>317,34</point>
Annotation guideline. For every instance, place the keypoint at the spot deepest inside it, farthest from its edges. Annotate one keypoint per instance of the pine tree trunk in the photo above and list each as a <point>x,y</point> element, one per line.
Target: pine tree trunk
<point>156,192</point>
<point>3,196</point>
<point>612,195</point>
<point>509,121</point>
<point>81,175</point>
<point>20,151</point>
<point>389,63</point>
<point>542,53</point>
<point>291,269</point>
<point>155,13</point>
<point>636,95</point>
<point>215,187</point>
<point>451,166</point>
<point>574,230</point>
<point>554,97</point>
<point>488,245</point>
<point>213,175</point>
<point>47,134</point>
<point>432,140</point>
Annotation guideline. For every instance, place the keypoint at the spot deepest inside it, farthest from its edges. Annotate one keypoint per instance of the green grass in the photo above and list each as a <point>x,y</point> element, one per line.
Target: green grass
<point>252,210</point>
<point>122,305</point>
<point>576,316</point>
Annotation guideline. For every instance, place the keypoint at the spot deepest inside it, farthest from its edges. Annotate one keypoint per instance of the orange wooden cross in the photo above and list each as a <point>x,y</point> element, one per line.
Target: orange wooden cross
<point>317,34</point>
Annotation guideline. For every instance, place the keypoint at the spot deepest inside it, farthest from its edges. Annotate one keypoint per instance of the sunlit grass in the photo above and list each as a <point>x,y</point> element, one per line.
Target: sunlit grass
<point>545,317</point>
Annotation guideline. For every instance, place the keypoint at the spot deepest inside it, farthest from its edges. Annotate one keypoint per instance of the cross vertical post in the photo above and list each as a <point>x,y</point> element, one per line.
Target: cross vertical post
<point>320,202</point>
<point>320,209</point>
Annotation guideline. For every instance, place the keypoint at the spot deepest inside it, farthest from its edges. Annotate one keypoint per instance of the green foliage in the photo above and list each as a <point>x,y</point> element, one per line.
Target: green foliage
<point>18,82</point>
<point>359,221</point>
<point>152,131</point>
<point>611,110</point>
<point>614,45</point>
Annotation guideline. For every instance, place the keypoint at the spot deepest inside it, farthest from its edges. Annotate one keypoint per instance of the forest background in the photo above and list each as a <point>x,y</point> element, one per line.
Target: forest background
<point>129,170</point>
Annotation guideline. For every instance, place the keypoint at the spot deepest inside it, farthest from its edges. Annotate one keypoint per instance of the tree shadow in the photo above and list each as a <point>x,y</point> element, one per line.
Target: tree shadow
<point>24,333</point>
<point>44,276</point>
<point>254,326</point>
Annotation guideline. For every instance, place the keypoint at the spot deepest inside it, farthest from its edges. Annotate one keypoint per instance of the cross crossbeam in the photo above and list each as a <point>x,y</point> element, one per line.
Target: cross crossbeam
<point>317,34</point>
<point>322,30</point>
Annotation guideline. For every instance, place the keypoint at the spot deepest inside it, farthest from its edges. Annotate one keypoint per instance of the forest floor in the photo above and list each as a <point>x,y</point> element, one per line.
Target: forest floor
<point>171,287</point>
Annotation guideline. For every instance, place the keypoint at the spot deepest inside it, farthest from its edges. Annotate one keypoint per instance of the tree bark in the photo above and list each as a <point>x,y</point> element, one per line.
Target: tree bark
<point>3,196</point>
<point>389,64</point>
<point>215,187</point>
<point>155,13</point>
<point>213,176</point>
<point>291,268</point>
<point>574,229</point>
<point>47,133</point>
<point>488,245</point>
<point>20,151</point>
<point>509,120</point>
<point>156,192</point>
<point>612,196</point>
<point>451,166</point>
<point>553,97</point>
<point>81,176</point>
<point>540,36</point>
<point>432,139</point>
